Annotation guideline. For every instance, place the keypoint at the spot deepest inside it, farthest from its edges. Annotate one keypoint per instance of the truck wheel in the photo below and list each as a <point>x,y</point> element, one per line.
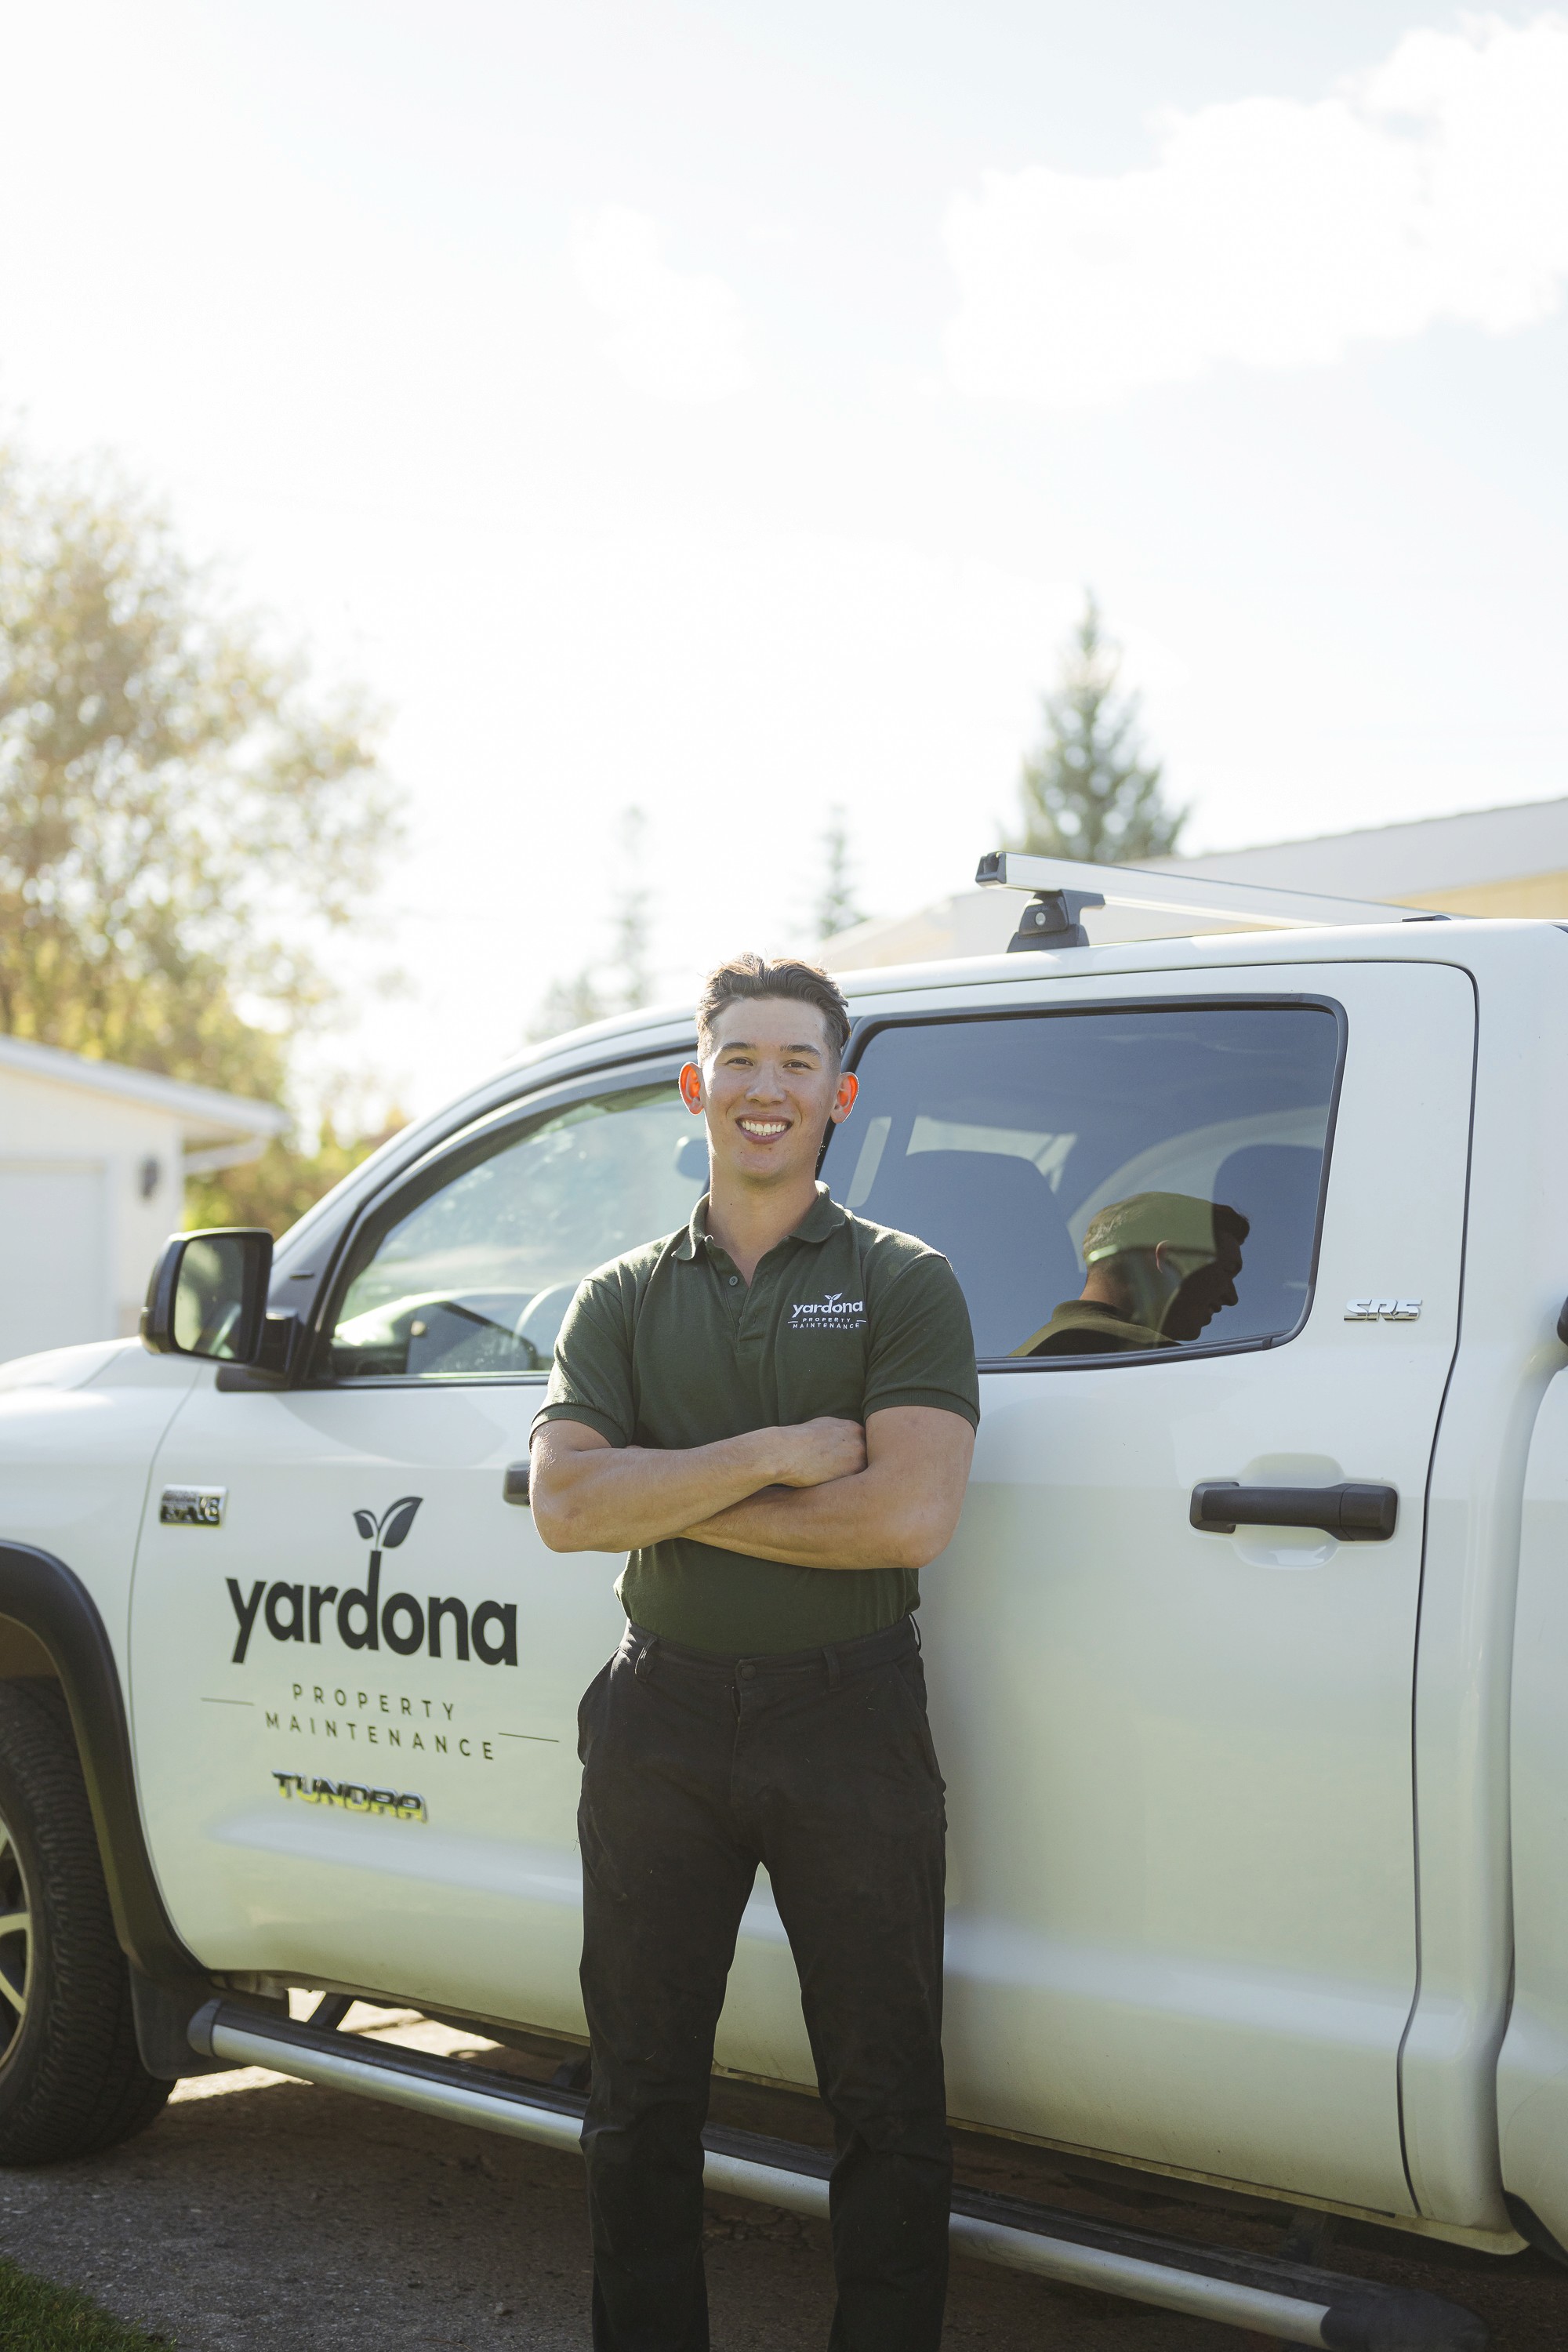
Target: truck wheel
<point>71,2077</point>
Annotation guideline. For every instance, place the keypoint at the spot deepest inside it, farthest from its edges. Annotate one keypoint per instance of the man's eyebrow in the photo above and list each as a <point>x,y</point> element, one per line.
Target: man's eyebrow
<point>745,1046</point>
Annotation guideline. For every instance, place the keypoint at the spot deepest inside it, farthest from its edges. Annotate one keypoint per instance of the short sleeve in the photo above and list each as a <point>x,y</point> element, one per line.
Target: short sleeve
<point>591,1378</point>
<point>922,1349</point>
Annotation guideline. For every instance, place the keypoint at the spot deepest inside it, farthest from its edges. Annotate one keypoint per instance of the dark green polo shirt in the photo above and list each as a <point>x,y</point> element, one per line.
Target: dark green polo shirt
<point>667,1347</point>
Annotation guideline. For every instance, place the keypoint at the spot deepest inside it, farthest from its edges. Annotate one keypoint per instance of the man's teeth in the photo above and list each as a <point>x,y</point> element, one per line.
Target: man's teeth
<point>763,1126</point>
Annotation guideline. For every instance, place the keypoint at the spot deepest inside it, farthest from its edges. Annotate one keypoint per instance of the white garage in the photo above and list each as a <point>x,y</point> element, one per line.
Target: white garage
<point>93,1159</point>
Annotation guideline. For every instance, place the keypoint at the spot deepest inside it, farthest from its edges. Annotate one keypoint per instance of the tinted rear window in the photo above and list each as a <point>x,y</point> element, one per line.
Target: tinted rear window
<point>1105,1184</point>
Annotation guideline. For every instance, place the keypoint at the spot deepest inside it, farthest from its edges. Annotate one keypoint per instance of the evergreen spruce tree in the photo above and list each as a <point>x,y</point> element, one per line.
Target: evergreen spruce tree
<point>567,1004</point>
<point>1087,791</point>
<point>631,923</point>
<point>622,981</point>
<point>837,903</point>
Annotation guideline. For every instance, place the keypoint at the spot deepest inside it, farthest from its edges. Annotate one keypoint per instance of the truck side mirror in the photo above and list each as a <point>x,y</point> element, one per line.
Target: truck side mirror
<point>208,1295</point>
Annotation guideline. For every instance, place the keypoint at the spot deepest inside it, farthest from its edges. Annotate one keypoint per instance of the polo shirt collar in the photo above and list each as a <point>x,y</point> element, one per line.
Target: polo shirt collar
<point>824,1217</point>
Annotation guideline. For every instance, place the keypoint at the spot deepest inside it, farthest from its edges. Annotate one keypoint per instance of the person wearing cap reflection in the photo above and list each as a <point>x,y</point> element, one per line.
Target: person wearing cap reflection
<point>1159,1267</point>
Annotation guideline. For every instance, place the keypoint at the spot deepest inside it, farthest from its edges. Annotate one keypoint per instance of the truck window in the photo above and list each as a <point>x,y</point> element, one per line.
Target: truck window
<point>1116,1184</point>
<point>468,1272</point>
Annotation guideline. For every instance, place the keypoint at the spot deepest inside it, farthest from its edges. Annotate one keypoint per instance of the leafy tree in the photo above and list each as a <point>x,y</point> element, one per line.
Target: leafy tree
<point>288,1179</point>
<point>1088,792</point>
<point>182,820</point>
<point>838,902</point>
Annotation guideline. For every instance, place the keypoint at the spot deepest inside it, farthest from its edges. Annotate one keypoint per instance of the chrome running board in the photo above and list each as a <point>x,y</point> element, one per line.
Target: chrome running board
<point>1290,2301</point>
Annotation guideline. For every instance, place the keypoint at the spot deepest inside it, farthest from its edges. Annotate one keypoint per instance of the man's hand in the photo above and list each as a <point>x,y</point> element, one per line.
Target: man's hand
<point>590,1496</point>
<point>814,1451</point>
<point>898,1512</point>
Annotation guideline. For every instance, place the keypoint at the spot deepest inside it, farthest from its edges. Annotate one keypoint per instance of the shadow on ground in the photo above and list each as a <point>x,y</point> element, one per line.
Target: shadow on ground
<point>257,2214</point>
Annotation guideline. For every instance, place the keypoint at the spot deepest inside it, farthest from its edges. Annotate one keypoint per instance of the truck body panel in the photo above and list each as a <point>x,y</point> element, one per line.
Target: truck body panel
<point>1532,2069</point>
<point>1232,1891</point>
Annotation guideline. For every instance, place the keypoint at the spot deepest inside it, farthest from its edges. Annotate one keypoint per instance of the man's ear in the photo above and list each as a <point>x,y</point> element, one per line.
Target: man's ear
<point>844,1100</point>
<point>691,1085</point>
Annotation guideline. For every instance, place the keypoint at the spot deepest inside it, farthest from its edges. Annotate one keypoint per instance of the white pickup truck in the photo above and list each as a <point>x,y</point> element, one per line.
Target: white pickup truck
<point>1248,1661</point>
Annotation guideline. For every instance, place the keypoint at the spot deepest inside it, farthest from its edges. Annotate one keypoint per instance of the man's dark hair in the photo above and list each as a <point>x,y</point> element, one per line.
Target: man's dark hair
<point>1231,1222</point>
<point>750,976</point>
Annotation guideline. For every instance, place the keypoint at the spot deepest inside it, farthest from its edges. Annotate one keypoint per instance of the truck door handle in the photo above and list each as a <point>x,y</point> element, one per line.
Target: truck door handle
<point>514,1486</point>
<point>1355,1513</point>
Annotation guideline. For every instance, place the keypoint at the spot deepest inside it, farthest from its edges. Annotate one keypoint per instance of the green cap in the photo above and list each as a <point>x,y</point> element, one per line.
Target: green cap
<point>1148,1219</point>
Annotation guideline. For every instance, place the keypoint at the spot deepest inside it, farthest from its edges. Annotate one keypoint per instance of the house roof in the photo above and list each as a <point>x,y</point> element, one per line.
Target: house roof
<point>1500,861</point>
<point>1401,861</point>
<point>205,1115</point>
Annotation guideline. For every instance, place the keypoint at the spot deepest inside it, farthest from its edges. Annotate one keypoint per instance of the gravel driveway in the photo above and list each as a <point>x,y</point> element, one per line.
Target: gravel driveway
<point>258,2215</point>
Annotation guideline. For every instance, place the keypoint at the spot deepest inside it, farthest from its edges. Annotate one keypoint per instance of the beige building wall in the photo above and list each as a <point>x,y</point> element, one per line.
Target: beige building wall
<point>89,1188</point>
<point>1485,862</point>
<point>1542,895</point>
<point>92,1169</point>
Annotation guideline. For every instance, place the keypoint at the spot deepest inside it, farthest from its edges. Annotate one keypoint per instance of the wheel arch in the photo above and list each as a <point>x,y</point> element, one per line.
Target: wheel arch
<point>23,1657</point>
<point>50,1626</point>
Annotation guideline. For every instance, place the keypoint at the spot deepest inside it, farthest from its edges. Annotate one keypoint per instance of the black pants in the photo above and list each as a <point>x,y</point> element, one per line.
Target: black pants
<point>820,1766</point>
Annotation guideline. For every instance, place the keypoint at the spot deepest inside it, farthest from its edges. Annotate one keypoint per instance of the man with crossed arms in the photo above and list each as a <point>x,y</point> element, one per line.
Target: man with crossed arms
<point>772,1411</point>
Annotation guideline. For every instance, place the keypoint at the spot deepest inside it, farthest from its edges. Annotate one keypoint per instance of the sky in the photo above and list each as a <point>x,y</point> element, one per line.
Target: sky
<point>722,408</point>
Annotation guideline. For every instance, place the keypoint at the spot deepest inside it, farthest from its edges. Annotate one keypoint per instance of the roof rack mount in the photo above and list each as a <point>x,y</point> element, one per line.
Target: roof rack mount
<point>1064,887</point>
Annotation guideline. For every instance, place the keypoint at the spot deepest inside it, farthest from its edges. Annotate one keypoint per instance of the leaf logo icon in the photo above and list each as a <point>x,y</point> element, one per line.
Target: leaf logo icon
<point>393,1527</point>
<point>397,1520</point>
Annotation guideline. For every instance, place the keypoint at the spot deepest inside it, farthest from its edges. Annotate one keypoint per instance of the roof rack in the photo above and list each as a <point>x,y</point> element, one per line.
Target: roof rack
<point>1063,888</point>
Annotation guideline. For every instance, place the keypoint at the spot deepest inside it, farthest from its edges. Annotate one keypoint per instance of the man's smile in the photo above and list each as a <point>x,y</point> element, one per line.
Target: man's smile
<point>763,1130</point>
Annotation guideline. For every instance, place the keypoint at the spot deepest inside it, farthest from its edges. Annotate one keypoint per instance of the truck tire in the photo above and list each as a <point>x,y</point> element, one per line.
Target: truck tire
<point>71,2077</point>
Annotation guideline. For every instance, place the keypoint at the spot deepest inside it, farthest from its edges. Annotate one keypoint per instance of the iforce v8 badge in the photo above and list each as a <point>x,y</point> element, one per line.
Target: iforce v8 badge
<point>192,1507</point>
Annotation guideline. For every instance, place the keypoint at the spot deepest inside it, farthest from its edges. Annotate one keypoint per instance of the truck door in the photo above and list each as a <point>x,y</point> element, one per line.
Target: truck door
<point>1532,2068</point>
<point>1182,1886</point>
<point>354,1676</point>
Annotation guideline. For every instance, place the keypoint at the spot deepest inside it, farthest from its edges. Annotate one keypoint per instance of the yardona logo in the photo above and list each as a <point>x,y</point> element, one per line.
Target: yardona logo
<point>833,1313</point>
<point>292,1612</point>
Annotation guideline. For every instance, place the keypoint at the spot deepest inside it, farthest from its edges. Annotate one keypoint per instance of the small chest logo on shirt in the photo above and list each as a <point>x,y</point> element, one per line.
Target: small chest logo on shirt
<point>834,1313</point>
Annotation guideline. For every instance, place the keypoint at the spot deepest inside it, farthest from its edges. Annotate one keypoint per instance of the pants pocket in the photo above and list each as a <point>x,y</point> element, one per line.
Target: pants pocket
<point>911,1680</point>
<point>590,1706</point>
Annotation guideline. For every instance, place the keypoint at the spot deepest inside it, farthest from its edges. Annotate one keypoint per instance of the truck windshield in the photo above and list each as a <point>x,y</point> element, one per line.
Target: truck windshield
<point>471,1272</point>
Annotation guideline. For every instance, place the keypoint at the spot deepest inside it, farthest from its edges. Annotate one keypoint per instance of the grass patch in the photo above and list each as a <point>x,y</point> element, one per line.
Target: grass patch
<point>38,2317</point>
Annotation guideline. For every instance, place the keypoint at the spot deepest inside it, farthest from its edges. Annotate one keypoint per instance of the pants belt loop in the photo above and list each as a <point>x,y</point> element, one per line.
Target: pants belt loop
<point>830,1659</point>
<point>915,1627</point>
<point>644,1667</point>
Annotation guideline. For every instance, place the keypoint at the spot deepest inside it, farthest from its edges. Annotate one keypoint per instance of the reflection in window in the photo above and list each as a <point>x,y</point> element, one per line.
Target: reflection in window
<point>1103,1182</point>
<point>1158,1269</point>
<point>475,1275</point>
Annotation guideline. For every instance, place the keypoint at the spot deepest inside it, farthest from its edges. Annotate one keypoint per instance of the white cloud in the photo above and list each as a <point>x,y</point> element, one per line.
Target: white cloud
<point>673,334</point>
<point>1275,234</point>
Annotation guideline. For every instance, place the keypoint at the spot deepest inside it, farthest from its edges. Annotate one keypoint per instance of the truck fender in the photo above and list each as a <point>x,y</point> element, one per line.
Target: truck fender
<point>50,1624</point>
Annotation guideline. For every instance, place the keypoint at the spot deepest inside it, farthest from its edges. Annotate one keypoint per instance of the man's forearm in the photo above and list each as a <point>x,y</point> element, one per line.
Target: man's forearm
<point>621,1499</point>
<point>850,1523</point>
<point>899,1511</point>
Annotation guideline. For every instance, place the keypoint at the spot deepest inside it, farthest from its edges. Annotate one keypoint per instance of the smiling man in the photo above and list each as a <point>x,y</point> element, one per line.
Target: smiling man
<point>772,1411</point>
